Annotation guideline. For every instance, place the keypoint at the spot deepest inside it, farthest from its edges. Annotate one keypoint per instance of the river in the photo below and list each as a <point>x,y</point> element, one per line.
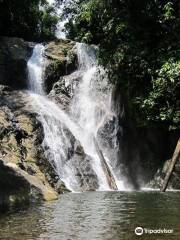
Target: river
<point>95,215</point>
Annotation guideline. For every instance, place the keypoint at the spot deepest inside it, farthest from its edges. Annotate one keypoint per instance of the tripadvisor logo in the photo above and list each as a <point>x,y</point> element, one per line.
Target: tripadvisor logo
<point>139,231</point>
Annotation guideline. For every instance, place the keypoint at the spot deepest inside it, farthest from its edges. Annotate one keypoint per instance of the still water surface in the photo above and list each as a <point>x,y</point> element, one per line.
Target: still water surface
<point>95,215</point>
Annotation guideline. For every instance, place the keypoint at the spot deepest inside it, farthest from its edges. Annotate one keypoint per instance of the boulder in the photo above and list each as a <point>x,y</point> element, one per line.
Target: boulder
<point>61,60</point>
<point>63,90</point>
<point>14,54</point>
<point>17,186</point>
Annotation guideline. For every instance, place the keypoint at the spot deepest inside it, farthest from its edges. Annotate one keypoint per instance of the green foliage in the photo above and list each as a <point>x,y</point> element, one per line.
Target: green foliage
<point>139,44</point>
<point>47,23</point>
<point>168,11</point>
<point>163,103</point>
<point>29,19</point>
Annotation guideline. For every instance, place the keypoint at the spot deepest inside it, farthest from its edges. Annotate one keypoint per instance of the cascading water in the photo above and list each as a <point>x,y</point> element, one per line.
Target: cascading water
<point>91,108</point>
<point>35,67</point>
<point>64,133</point>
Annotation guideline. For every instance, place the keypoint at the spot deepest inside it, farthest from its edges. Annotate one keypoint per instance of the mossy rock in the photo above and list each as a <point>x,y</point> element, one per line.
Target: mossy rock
<point>61,60</point>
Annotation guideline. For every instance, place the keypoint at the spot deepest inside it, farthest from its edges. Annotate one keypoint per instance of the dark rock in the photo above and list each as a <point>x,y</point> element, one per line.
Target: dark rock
<point>17,186</point>
<point>61,188</point>
<point>82,164</point>
<point>79,149</point>
<point>14,54</point>
<point>63,90</point>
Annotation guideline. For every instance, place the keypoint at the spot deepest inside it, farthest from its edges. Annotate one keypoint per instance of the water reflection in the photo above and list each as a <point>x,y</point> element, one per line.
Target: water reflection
<point>95,215</point>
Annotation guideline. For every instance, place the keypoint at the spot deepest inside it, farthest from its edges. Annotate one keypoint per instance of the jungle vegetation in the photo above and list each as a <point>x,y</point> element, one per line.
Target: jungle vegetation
<point>139,43</point>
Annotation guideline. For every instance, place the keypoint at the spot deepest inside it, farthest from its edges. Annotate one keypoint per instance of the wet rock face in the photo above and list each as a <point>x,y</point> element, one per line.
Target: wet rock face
<point>60,60</point>
<point>84,173</point>
<point>60,56</point>
<point>64,80</point>
<point>14,54</point>
<point>63,90</point>
<point>21,154</point>
<point>74,161</point>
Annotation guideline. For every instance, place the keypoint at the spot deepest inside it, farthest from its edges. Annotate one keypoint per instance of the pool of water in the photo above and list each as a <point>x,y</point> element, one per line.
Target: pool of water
<point>95,215</point>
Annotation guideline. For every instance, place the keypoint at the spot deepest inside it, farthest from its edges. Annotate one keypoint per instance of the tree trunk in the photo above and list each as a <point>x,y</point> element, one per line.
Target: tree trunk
<point>171,166</point>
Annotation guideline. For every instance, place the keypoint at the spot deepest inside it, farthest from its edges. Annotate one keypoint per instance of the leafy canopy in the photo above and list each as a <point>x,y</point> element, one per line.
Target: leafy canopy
<point>29,19</point>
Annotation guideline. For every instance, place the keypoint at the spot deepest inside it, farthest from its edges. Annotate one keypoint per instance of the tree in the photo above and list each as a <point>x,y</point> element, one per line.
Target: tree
<point>29,19</point>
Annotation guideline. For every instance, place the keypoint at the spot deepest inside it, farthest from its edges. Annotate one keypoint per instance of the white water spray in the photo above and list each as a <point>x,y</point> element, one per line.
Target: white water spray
<point>91,107</point>
<point>35,68</point>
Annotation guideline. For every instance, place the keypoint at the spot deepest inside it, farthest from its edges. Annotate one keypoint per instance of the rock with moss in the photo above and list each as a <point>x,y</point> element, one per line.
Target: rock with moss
<point>60,60</point>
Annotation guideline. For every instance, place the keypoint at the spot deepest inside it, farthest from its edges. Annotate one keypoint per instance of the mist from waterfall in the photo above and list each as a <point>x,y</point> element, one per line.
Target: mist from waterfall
<point>89,110</point>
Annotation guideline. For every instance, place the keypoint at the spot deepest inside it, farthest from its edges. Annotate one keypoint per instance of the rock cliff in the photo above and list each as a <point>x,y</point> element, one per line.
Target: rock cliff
<point>25,174</point>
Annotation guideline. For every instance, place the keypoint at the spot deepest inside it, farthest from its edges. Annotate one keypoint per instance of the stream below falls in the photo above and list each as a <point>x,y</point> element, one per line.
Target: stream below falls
<point>95,215</point>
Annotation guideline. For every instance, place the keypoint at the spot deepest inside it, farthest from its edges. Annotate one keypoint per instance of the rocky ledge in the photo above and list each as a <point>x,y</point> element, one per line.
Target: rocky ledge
<point>25,173</point>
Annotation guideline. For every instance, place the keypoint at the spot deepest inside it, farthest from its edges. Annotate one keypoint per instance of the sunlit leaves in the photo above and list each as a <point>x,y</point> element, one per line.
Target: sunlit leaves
<point>168,11</point>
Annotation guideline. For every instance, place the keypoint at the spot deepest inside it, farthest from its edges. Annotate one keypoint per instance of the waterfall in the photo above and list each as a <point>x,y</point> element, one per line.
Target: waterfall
<point>35,68</point>
<point>91,107</point>
<point>79,128</point>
